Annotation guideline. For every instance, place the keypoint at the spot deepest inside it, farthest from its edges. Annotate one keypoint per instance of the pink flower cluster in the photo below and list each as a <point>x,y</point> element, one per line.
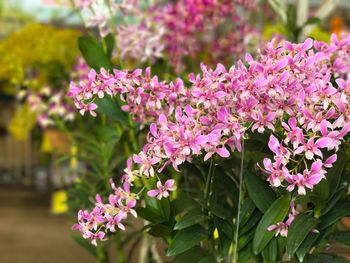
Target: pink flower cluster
<point>298,92</point>
<point>106,216</point>
<point>192,26</point>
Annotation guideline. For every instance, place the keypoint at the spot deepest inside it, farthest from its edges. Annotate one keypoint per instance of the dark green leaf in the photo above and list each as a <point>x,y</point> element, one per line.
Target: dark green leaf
<point>276,213</point>
<point>193,217</point>
<point>259,191</point>
<point>184,203</point>
<point>85,244</point>
<point>111,108</point>
<point>254,219</point>
<point>93,53</point>
<point>312,21</point>
<point>194,255</point>
<point>160,230</point>
<point>306,245</point>
<point>109,42</point>
<point>297,232</point>
<point>186,239</point>
<point>340,210</point>
<point>341,237</point>
<point>269,253</point>
<point>245,239</point>
<point>247,210</point>
<point>335,173</point>
<point>335,198</point>
<point>312,258</point>
<point>329,258</point>
<point>150,214</point>
<point>225,230</point>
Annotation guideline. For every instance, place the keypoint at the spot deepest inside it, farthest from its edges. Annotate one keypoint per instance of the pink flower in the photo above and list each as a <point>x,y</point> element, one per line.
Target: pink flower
<point>146,163</point>
<point>163,190</point>
<point>311,148</point>
<point>308,179</point>
<point>263,121</point>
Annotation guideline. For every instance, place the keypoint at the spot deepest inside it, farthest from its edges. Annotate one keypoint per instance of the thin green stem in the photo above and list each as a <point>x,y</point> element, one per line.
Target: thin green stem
<point>208,181</point>
<point>235,257</point>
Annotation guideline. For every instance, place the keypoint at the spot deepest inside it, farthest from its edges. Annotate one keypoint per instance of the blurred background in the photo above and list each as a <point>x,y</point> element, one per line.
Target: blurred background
<point>38,163</point>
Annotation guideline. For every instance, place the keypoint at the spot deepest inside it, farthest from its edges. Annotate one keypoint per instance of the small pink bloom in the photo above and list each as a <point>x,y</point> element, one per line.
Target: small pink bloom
<point>163,190</point>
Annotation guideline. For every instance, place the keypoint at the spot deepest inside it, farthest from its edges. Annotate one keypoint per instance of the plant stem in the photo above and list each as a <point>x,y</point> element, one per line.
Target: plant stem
<point>235,256</point>
<point>208,181</point>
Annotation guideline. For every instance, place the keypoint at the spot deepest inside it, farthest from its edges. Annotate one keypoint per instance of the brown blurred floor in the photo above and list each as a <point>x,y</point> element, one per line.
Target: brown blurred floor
<point>30,234</point>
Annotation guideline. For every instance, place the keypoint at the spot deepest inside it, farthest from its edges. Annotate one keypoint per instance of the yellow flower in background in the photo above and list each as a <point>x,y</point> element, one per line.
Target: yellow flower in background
<point>59,202</point>
<point>22,123</point>
<point>38,51</point>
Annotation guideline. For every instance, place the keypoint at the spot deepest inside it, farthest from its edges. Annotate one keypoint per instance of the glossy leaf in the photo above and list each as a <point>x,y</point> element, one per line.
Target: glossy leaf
<point>297,232</point>
<point>254,219</point>
<point>109,41</point>
<point>335,173</point>
<point>160,230</point>
<point>85,244</point>
<point>194,255</point>
<point>93,53</point>
<point>341,237</point>
<point>111,108</point>
<point>186,239</point>
<point>259,191</point>
<point>269,253</point>
<point>193,217</point>
<point>276,213</point>
<point>340,210</point>
<point>329,258</point>
<point>306,245</point>
<point>247,210</point>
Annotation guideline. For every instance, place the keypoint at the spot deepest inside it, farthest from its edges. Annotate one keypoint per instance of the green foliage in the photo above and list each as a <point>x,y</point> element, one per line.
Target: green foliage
<point>276,213</point>
<point>298,231</point>
<point>94,54</point>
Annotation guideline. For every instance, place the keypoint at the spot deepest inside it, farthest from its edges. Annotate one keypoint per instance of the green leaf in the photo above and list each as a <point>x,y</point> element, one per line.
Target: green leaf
<point>110,43</point>
<point>93,53</point>
<point>297,232</point>
<point>225,230</point>
<point>313,20</point>
<point>183,203</point>
<point>276,213</point>
<point>259,191</point>
<point>248,208</point>
<point>312,258</point>
<point>306,245</point>
<point>329,258</point>
<point>245,239</point>
<point>341,237</point>
<point>340,210</point>
<point>193,217</point>
<point>165,206</point>
<point>186,239</point>
<point>111,108</point>
<point>85,244</point>
<point>335,198</point>
<point>150,214</point>
<point>194,255</point>
<point>245,255</point>
<point>160,230</point>
<point>269,253</point>
<point>255,218</point>
<point>335,173</point>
